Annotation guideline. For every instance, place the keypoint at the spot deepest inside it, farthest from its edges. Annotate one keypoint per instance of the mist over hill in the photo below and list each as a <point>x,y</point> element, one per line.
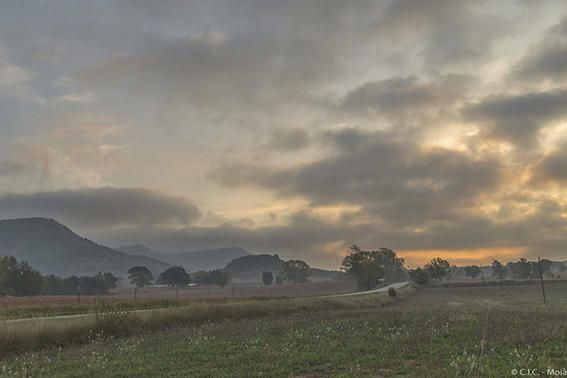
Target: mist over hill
<point>192,261</point>
<point>53,248</point>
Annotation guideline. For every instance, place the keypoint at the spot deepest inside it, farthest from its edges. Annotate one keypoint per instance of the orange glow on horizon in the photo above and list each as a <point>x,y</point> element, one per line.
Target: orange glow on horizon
<point>463,256</point>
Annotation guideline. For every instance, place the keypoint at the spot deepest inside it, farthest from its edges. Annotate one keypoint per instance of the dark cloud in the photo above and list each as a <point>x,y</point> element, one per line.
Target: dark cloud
<point>323,242</point>
<point>552,167</point>
<point>304,236</point>
<point>389,175</point>
<point>450,32</point>
<point>518,118</point>
<point>289,139</point>
<point>213,71</point>
<point>101,207</point>
<point>402,96</point>
<point>548,59</point>
<point>293,51</point>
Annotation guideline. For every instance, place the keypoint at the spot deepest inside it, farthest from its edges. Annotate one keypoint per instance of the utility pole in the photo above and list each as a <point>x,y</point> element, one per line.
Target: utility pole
<point>541,279</point>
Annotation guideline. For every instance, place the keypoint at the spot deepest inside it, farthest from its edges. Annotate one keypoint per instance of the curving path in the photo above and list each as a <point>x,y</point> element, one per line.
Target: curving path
<point>397,285</point>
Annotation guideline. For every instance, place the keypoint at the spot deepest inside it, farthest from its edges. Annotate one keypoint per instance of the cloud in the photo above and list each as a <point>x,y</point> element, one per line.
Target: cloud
<point>552,167</point>
<point>323,242</point>
<point>518,118</point>
<point>289,139</point>
<point>213,71</point>
<point>304,236</point>
<point>447,32</point>
<point>390,175</point>
<point>284,99</point>
<point>102,207</point>
<point>547,60</point>
<point>14,80</point>
<point>397,97</point>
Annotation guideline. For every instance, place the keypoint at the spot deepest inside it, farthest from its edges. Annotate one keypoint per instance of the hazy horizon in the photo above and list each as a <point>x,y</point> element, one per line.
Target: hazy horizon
<point>431,127</point>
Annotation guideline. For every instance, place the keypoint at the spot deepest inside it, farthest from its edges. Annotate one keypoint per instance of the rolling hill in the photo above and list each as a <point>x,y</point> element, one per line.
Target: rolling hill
<point>52,248</point>
<point>250,268</point>
<point>192,261</point>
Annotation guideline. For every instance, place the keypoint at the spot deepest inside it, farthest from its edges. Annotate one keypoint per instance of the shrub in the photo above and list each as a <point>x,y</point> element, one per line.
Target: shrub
<point>110,321</point>
<point>392,293</point>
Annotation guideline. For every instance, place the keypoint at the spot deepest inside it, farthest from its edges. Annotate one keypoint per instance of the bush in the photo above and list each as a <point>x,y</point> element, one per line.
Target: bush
<point>110,321</point>
<point>392,293</point>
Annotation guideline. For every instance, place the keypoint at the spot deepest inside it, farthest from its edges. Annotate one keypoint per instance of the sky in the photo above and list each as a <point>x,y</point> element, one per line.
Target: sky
<point>431,127</point>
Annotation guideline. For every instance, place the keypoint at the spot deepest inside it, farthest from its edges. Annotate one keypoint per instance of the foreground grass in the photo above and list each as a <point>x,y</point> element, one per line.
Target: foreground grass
<point>23,335</point>
<point>34,311</point>
<point>349,343</point>
<point>433,333</point>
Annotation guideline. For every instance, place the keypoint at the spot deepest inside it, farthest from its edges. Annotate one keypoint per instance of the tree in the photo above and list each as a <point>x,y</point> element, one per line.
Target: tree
<point>18,278</point>
<point>296,271</point>
<point>438,268</point>
<point>200,277</point>
<point>419,276</point>
<point>267,278</point>
<point>472,271</point>
<point>499,271</point>
<point>523,269</point>
<point>367,267</point>
<point>175,276</point>
<point>109,279</point>
<point>219,277</point>
<point>363,266</point>
<point>100,283</point>
<point>393,266</point>
<point>140,276</point>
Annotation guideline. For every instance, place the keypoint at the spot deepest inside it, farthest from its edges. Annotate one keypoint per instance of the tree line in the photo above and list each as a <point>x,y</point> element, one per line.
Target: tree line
<point>19,278</point>
<point>294,271</point>
<point>518,270</point>
<point>177,276</point>
<point>371,267</point>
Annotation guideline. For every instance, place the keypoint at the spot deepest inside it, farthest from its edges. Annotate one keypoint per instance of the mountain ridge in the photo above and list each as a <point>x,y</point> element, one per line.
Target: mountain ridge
<point>53,248</point>
<point>207,259</point>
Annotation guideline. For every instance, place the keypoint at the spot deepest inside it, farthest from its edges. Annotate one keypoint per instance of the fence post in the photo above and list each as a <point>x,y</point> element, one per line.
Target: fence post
<point>541,280</point>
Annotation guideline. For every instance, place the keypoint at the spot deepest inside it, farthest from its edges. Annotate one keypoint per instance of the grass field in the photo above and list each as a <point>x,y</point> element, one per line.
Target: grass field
<point>434,332</point>
<point>126,294</point>
<point>159,297</point>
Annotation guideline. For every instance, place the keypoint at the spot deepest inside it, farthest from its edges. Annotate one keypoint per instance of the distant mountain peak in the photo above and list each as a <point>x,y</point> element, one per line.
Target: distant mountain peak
<point>53,248</point>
